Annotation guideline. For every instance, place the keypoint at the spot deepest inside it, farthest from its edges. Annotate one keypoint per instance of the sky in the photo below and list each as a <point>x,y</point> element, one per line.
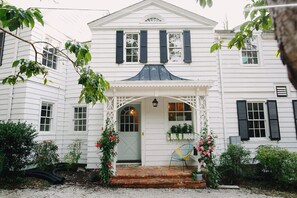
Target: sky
<point>232,10</point>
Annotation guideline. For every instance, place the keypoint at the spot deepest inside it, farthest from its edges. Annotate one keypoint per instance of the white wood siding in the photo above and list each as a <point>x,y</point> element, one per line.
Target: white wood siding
<point>257,83</point>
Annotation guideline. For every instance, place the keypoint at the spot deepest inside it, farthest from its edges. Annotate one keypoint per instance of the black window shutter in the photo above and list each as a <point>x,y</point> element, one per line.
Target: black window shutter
<point>163,46</point>
<point>187,46</point>
<point>242,120</point>
<point>2,39</point>
<point>120,47</point>
<point>143,46</point>
<point>295,114</point>
<point>273,120</point>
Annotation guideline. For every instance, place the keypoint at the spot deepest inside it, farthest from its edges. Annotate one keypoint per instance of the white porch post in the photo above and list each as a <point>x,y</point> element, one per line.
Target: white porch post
<point>198,127</point>
<point>114,121</point>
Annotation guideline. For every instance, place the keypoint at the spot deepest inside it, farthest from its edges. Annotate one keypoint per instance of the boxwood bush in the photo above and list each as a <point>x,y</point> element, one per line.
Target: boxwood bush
<point>233,162</point>
<point>16,144</point>
<point>278,164</point>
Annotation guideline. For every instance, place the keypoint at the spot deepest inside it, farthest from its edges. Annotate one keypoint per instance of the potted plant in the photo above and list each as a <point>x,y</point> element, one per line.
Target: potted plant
<point>180,132</point>
<point>197,175</point>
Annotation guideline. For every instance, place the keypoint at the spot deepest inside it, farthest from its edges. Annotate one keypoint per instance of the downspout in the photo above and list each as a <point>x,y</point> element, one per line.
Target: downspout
<point>222,94</point>
<point>16,48</point>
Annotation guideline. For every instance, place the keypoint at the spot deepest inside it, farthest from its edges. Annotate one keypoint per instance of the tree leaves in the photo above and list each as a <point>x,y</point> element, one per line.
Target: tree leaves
<point>14,18</point>
<point>27,68</point>
<point>203,3</point>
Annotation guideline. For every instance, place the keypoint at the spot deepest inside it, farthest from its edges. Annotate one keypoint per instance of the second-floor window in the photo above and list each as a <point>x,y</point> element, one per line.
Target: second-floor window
<point>132,47</point>
<point>249,52</point>
<point>50,57</point>
<point>175,47</point>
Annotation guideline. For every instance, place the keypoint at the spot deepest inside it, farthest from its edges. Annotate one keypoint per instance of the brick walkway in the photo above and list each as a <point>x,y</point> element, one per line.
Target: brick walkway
<point>155,177</point>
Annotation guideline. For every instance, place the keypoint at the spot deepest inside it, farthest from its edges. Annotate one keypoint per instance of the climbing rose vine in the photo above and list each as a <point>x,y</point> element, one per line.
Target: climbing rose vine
<point>106,145</point>
<point>206,148</point>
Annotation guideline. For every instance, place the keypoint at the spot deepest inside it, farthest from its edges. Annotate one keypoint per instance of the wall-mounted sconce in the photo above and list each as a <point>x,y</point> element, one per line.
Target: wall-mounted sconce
<point>155,102</point>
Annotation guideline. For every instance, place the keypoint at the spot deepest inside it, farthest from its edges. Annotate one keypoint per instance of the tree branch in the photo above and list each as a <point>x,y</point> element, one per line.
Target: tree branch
<point>34,48</point>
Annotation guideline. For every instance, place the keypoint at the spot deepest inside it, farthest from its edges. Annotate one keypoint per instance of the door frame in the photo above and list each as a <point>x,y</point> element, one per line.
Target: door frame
<point>141,147</point>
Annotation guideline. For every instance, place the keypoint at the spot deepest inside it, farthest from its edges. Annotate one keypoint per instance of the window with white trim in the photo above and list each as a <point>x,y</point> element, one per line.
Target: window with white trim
<point>175,47</point>
<point>249,52</point>
<point>80,118</point>
<point>179,112</point>
<point>256,119</point>
<point>50,53</point>
<point>46,116</point>
<point>132,47</point>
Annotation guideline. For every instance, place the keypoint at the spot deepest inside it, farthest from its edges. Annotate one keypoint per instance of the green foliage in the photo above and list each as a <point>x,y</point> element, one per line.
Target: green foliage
<point>206,148</point>
<point>233,161</point>
<point>2,158</point>
<point>74,153</point>
<point>216,46</point>
<point>17,143</point>
<point>46,156</point>
<point>93,85</point>
<point>278,164</point>
<point>109,139</point>
<point>14,18</point>
<point>203,3</point>
<point>27,67</point>
<point>180,130</point>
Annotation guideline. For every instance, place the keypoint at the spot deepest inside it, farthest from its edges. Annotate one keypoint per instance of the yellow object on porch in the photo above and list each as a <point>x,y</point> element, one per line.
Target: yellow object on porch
<point>182,153</point>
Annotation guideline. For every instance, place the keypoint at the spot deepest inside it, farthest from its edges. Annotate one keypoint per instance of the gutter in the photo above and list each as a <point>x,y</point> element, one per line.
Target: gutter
<point>222,95</point>
<point>11,94</point>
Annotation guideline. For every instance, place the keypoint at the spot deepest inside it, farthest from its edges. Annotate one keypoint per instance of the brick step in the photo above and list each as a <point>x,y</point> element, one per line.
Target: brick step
<point>152,176</point>
<point>157,183</point>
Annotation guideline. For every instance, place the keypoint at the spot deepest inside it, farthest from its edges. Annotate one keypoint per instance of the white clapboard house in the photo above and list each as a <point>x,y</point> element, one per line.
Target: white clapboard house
<point>157,59</point>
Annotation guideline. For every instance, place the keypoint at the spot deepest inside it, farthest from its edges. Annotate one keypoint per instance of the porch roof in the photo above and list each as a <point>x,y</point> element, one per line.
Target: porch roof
<point>151,72</point>
<point>157,76</point>
<point>159,83</point>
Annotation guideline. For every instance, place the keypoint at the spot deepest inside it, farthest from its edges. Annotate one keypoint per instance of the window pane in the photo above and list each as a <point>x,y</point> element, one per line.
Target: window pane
<point>180,106</point>
<point>188,116</point>
<point>251,133</point>
<point>171,107</point>
<point>180,116</point>
<point>172,117</point>
<point>187,107</point>
<point>47,127</point>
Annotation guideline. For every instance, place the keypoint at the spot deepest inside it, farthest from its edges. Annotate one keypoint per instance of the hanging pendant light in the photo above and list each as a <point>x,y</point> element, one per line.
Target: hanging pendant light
<point>155,102</point>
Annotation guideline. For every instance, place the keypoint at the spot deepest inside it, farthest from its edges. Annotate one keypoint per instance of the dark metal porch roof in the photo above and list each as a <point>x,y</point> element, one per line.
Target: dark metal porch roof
<point>154,72</point>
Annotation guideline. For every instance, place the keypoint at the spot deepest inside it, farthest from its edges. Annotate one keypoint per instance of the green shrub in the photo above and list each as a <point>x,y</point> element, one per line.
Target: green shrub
<point>278,164</point>
<point>16,143</point>
<point>232,163</point>
<point>46,156</point>
<point>2,158</point>
<point>72,157</point>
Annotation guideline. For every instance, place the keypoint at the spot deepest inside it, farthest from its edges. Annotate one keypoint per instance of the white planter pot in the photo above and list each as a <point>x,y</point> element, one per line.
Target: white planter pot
<point>176,137</point>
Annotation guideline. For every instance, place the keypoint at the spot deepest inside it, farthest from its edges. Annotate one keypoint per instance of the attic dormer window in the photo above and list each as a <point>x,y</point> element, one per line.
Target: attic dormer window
<point>153,20</point>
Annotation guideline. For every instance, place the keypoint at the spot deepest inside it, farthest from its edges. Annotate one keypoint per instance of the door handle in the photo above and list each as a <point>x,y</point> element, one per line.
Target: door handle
<point>142,133</point>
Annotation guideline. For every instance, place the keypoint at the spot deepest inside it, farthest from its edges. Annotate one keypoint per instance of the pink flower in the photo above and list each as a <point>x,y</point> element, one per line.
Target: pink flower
<point>201,148</point>
<point>209,142</point>
<point>201,142</point>
<point>102,128</point>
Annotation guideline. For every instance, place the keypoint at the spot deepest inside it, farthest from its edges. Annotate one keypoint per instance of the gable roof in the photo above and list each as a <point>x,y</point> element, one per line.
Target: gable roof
<point>159,3</point>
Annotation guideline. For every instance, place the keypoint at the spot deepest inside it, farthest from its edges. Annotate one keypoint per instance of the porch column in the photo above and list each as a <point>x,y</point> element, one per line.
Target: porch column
<point>115,125</point>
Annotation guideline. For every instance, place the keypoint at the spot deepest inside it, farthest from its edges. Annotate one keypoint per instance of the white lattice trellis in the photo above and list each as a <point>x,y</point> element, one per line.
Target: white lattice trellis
<point>203,111</point>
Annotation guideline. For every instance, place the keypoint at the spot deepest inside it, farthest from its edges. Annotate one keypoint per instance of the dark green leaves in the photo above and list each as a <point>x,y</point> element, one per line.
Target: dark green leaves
<point>27,68</point>
<point>81,52</point>
<point>94,86</point>
<point>14,18</point>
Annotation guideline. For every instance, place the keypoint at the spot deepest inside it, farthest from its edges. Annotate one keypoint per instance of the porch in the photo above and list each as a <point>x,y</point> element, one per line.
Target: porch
<point>130,176</point>
<point>143,125</point>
